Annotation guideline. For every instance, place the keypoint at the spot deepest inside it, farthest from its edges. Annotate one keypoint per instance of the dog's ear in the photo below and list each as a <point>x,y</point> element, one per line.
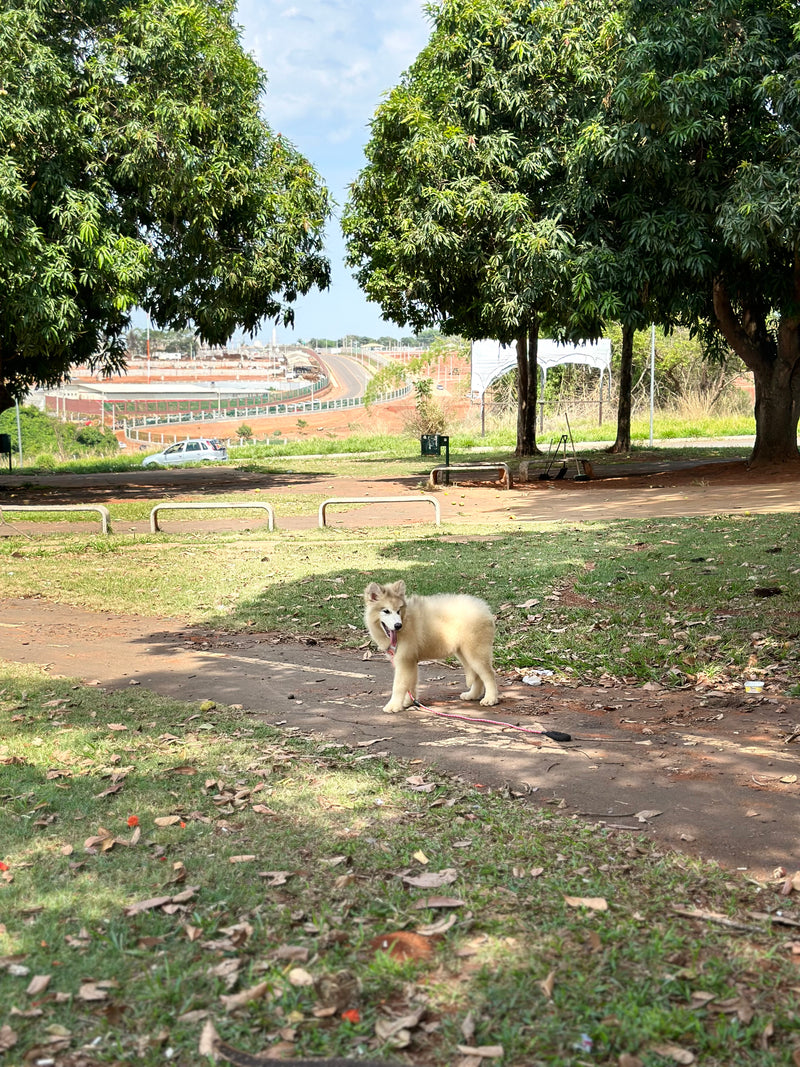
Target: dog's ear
<point>372,592</point>
<point>399,588</point>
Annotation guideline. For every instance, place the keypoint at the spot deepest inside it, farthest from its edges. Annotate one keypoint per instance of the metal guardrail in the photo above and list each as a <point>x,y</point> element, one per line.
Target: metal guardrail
<point>132,425</point>
<point>379,500</point>
<point>501,468</point>
<point>103,512</point>
<point>209,507</point>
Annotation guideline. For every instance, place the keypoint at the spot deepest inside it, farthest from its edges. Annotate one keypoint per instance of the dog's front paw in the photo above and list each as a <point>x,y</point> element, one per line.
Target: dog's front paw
<point>392,708</point>
<point>489,701</point>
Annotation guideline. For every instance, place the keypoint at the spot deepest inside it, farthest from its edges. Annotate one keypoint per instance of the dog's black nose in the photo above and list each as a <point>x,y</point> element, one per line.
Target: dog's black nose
<point>398,626</point>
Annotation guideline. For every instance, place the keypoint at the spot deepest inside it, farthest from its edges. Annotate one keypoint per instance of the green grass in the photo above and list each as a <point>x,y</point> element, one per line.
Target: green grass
<point>498,442</point>
<point>672,601</point>
<point>223,802</point>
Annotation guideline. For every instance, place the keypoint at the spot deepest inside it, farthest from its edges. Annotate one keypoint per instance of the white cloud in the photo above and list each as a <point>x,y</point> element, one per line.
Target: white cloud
<point>328,64</point>
<point>330,61</point>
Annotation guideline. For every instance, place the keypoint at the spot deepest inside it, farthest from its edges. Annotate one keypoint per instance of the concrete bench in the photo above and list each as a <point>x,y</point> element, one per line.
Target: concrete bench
<point>209,507</point>
<point>105,517</point>
<point>379,500</point>
<point>500,469</point>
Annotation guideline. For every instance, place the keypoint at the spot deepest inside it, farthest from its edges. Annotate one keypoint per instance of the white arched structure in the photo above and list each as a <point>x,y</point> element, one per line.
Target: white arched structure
<point>491,360</point>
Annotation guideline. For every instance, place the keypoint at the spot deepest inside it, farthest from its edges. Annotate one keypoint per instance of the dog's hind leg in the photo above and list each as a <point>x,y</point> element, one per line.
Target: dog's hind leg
<point>475,687</point>
<point>478,666</point>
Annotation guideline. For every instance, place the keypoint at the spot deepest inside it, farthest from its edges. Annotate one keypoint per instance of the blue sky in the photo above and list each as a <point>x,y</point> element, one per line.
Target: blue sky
<point>329,62</point>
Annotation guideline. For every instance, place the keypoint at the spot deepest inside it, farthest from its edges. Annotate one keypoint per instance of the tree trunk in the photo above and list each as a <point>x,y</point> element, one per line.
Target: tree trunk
<point>776,413</point>
<point>623,441</point>
<point>775,363</point>
<point>528,389</point>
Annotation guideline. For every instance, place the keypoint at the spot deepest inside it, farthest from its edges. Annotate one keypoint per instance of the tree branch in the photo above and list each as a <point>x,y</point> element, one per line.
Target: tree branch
<point>733,330</point>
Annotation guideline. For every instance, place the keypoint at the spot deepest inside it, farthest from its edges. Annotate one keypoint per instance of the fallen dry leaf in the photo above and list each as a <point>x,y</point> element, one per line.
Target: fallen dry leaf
<point>419,785</point>
<point>594,903</point>
<point>296,953</point>
<point>643,816</point>
<point>486,1052</point>
<point>110,791</point>
<point>431,879</point>
<point>208,1040</point>
<point>276,878</point>
<point>38,984</point>
<point>245,997</point>
<point>8,1038</point>
<point>169,903</point>
<point>675,1053</point>
<point>227,970</point>
<point>147,905</point>
<point>299,977</point>
<point>438,902</point>
<point>548,984</point>
<point>94,990</point>
<point>102,840</point>
<point>239,933</point>
<point>440,927</point>
<point>398,1030</point>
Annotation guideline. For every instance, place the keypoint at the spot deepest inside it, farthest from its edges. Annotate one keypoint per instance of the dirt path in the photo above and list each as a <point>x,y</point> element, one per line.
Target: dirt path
<point>711,767</point>
<point>634,491</point>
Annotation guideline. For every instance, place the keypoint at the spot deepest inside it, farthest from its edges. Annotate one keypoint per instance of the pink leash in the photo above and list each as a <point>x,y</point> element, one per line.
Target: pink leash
<point>554,735</point>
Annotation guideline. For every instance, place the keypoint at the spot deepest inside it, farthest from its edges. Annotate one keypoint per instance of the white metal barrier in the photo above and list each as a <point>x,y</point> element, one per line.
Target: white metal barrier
<point>209,507</point>
<point>105,517</point>
<point>379,500</point>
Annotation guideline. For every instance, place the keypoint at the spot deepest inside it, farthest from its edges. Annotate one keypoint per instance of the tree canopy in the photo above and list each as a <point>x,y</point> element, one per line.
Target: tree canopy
<point>574,162</point>
<point>136,170</point>
<point>705,118</point>
<point>465,213</point>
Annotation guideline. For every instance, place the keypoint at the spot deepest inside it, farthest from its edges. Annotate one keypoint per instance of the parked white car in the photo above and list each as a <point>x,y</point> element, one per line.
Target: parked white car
<point>196,450</point>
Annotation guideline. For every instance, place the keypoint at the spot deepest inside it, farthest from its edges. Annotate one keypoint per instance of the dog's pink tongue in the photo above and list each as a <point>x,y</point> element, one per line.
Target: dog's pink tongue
<point>393,640</point>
